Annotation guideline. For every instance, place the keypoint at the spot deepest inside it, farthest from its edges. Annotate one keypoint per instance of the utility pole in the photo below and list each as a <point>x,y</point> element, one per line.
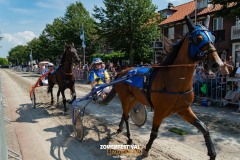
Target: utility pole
<point>196,12</point>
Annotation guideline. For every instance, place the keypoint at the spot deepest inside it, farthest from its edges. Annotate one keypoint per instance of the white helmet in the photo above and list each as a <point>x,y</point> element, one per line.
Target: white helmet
<point>50,65</point>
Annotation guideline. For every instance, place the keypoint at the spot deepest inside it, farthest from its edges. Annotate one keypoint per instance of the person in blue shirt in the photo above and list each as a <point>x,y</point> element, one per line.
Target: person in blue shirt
<point>99,76</point>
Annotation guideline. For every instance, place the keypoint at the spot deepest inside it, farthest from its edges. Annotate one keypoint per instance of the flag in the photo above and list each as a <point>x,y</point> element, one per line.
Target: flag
<point>82,37</point>
<point>30,56</point>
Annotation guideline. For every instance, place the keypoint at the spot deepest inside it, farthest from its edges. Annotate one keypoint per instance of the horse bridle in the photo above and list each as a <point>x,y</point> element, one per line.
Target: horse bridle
<point>195,48</point>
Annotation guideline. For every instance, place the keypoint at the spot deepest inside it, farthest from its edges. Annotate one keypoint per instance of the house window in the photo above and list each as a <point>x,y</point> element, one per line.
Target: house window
<point>171,33</point>
<point>202,4</point>
<point>185,29</point>
<point>217,23</point>
<point>237,21</point>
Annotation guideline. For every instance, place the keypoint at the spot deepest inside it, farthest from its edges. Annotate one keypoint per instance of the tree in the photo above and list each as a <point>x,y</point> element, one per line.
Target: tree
<point>230,8</point>
<point>19,55</point>
<point>67,29</point>
<point>128,26</point>
<point>4,61</point>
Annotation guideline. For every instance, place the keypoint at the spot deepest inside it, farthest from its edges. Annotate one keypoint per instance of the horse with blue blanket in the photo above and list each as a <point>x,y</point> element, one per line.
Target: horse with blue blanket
<point>168,87</point>
<point>63,76</point>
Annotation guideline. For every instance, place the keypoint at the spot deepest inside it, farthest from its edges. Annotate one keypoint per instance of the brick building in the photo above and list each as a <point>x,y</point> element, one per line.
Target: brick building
<point>227,30</point>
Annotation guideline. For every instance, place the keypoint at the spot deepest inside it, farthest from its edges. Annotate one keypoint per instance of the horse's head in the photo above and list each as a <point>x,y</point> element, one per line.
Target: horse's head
<point>71,54</point>
<point>201,45</point>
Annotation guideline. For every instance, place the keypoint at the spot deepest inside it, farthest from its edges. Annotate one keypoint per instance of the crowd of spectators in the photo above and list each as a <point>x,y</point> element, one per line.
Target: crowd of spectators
<point>224,84</point>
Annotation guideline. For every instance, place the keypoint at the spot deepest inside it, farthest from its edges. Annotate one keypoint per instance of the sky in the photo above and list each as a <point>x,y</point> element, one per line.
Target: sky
<point>23,20</point>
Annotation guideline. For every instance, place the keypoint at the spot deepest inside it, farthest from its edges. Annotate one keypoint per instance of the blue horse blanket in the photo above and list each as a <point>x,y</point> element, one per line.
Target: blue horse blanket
<point>137,81</point>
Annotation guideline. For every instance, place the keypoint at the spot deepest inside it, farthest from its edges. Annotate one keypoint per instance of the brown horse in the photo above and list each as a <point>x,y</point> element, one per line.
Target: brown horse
<point>169,89</point>
<point>63,76</point>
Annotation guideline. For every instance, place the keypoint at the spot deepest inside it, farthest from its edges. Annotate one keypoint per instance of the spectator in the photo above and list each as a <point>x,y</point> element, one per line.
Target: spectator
<point>237,74</point>
<point>210,79</point>
<point>229,61</point>
<point>114,73</point>
<point>198,79</point>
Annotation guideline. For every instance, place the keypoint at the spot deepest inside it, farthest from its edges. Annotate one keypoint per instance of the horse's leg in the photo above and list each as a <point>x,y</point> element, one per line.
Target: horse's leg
<point>190,117</point>
<point>50,89</point>
<point>58,94</point>
<point>121,124</point>
<point>64,101</point>
<point>157,119</point>
<point>127,106</point>
<point>73,92</point>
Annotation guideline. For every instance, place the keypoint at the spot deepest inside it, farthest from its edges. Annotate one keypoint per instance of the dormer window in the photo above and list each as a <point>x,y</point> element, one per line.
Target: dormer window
<point>202,4</point>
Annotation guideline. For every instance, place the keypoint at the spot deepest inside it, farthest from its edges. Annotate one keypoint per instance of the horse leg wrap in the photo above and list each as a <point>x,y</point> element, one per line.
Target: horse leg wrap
<point>153,136</point>
<point>203,129</point>
<point>128,131</point>
<point>121,125</point>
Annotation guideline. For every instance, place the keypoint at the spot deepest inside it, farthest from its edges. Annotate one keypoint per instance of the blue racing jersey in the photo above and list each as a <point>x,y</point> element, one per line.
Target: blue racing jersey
<point>102,74</point>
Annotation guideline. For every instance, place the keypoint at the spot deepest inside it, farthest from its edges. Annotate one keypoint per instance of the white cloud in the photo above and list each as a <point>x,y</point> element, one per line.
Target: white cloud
<point>19,38</point>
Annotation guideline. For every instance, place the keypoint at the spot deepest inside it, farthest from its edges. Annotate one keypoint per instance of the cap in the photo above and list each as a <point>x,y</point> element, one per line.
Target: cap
<point>97,61</point>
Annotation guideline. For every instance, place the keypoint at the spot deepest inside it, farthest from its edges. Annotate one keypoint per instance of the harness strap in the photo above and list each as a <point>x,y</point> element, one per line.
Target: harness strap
<point>170,92</point>
<point>68,74</point>
<point>174,65</point>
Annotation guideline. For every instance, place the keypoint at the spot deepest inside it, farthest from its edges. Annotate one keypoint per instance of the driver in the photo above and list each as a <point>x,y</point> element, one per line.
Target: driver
<point>44,82</point>
<point>99,76</point>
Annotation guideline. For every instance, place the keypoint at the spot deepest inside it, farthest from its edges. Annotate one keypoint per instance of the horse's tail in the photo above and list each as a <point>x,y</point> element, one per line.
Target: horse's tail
<point>109,96</point>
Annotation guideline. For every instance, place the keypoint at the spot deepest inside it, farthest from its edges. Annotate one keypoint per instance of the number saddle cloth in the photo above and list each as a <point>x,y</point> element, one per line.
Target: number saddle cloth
<point>143,75</point>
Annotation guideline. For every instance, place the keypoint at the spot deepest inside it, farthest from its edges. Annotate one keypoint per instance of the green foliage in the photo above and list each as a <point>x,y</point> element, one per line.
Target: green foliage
<point>129,26</point>
<point>19,55</point>
<point>4,61</point>
<point>113,56</point>
<point>226,11</point>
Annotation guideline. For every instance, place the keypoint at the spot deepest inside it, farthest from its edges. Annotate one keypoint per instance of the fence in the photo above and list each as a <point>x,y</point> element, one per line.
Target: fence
<point>3,141</point>
<point>220,90</point>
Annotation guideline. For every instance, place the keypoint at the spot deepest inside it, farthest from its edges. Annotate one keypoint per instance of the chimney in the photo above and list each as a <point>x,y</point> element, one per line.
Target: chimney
<point>170,5</point>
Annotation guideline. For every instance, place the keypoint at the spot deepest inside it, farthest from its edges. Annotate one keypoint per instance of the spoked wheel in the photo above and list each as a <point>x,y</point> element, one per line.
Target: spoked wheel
<point>139,114</point>
<point>33,98</point>
<point>78,126</point>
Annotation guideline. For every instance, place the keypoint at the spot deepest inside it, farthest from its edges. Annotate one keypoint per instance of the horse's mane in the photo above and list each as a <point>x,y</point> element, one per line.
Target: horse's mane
<point>63,57</point>
<point>171,50</point>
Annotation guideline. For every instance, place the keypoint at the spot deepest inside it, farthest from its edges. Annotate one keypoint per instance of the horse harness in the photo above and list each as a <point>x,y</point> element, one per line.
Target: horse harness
<point>148,82</point>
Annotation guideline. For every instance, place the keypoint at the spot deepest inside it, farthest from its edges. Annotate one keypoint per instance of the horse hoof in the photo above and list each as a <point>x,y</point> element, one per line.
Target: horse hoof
<point>64,113</point>
<point>145,153</point>
<point>212,157</point>
<point>129,141</point>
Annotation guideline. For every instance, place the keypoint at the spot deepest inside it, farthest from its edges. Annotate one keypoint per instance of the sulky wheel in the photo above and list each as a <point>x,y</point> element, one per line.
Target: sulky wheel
<point>139,114</point>
<point>33,99</point>
<point>78,126</point>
